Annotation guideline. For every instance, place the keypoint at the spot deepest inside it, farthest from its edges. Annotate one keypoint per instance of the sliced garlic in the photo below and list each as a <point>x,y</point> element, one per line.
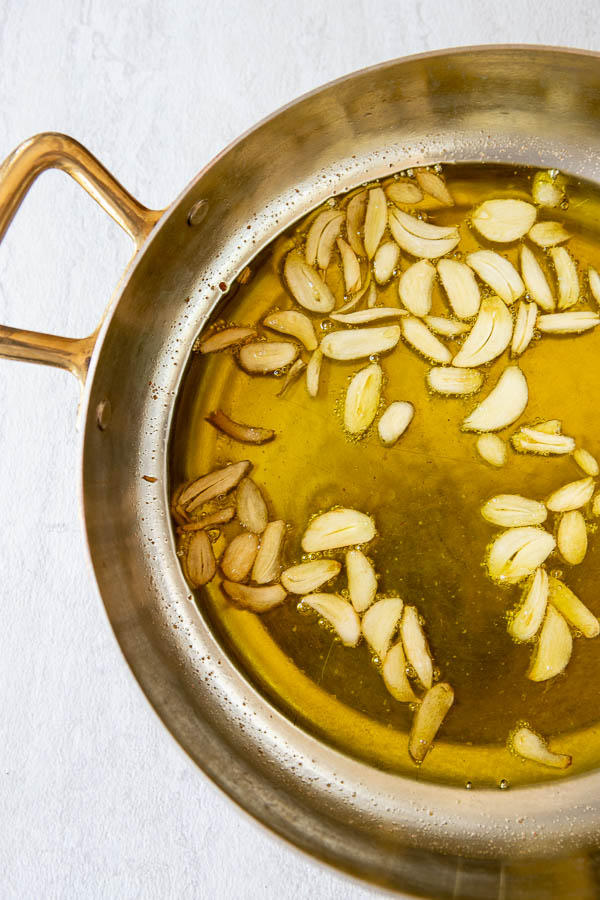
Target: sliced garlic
<point>341,527</point>
<point>571,496</point>
<point>292,373</point>
<point>432,184</point>
<point>362,399</point>
<point>450,380</point>
<point>267,566</point>
<point>290,321</point>
<point>503,405</point>
<point>227,337</point>
<point>529,745</point>
<point>366,316</point>
<point>518,552</point>
<point>551,426</point>
<point>308,576</point>
<point>199,560</point>
<point>313,372</point>
<point>596,505</point>
<point>404,192</point>
<point>568,323</point>
<point>251,507</point>
<point>460,286</point>
<point>503,221</point>
<point>566,276</point>
<point>321,237</point>
<point>423,248</point>
<point>545,191</point>
<point>255,599</point>
<point>385,261</point>
<point>572,537</point>
<point>355,217</point>
<point>375,220</point>
<point>360,342</point>
<point>572,609</point>
<point>594,280</point>
<point>490,335</point>
<point>445,327</point>
<point>527,621</point>
<point>394,421</point>
<point>418,335</point>
<point>372,296</point>
<point>586,462</point>
<point>553,649</point>
<point>428,719</point>
<point>535,280</point>
<point>499,273</point>
<point>350,267</point>
<point>512,511</point>
<point>362,581</point>
<point>212,485</point>
<point>248,434</point>
<point>395,677</point>
<point>422,229</point>
<point>263,357</point>
<point>306,285</point>
<point>492,449</point>
<point>340,614</point>
<point>548,234</point>
<point>524,327</point>
<point>239,556</point>
<point>415,287</point>
<point>415,646</point>
<point>379,624</point>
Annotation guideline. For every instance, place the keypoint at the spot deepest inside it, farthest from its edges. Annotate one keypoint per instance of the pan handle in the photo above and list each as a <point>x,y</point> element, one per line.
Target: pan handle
<point>17,173</point>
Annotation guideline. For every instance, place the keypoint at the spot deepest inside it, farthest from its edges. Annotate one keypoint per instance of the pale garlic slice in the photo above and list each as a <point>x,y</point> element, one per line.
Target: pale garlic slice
<point>362,399</point>
<point>548,234</point>
<point>264,357</point>
<point>375,220</point>
<point>227,337</point>
<point>524,327</point>
<point>322,236</point>
<point>492,449</point>
<point>308,576</point>
<point>573,495</point>
<point>422,248</point>
<point>572,537</point>
<point>340,527</point>
<point>385,261</point>
<point>306,285</point>
<point>503,221</point>
<point>431,183</point>
<point>418,335</point>
<point>394,421</point>
<point>267,565</point>
<point>355,299</point>
<point>518,552</point>
<point>415,287</point>
<point>350,267</point>
<point>366,316</point>
<point>512,511</point>
<point>404,192</point>
<point>422,229</point>
<point>212,485</point>
<point>255,599</point>
<point>490,335</point>
<point>550,426</point>
<point>340,614</point>
<point>445,327</point>
<point>461,287</point>
<point>395,677</point>
<point>545,191</point>
<point>428,719</point>
<point>415,646</point>
<point>239,556</point>
<point>503,405</point>
<point>529,745</point>
<point>586,462</point>
<point>594,280</point>
<point>553,649</point>
<point>355,218</point>
<point>572,609</point>
<point>568,323</point>
<point>200,565</point>
<point>566,276</point>
<point>362,580</point>
<point>360,342</point>
<point>379,624</point>
<point>313,372</point>
<point>528,619</point>
<point>499,273</point>
<point>453,381</point>
<point>596,505</point>
<point>372,296</point>
<point>290,321</point>
<point>535,280</point>
<point>545,443</point>
<point>251,507</point>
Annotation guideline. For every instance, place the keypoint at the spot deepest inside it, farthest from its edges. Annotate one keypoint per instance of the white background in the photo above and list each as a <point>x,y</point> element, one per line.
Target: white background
<point>96,800</point>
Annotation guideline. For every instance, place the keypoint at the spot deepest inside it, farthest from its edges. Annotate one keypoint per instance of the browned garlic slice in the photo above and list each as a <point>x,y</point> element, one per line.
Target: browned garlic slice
<point>267,564</point>
<point>375,220</point>
<point>340,614</point>
<point>568,323</point>
<point>545,191</point>
<point>460,286</point>
<point>385,261</point>
<point>306,285</point>
<point>499,273</point>
<point>199,560</point>
<point>512,511</point>
<point>292,373</point>
<point>379,624</point>
<point>418,335</point>
<point>415,287</point>
<point>572,537</point>
<point>566,276</point>
<point>362,399</point>
<point>524,327</point>
<point>535,280</point>
<point>518,552</point>
<point>548,234</point>
<point>404,192</point>
<point>394,421</point>
<point>263,357</point>
<point>239,556</point>
<point>503,405</point>
<point>445,327</point>
<point>529,745</point>
<point>290,321</point>
<point>395,677</point>
<point>432,184</point>
<point>308,576</point>
<point>572,609</point>
<point>256,599</point>
<point>545,443</point>
<point>322,236</point>
<point>341,527</point>
<point>594,280</point>
<point>503,221</point>
<point>212,485</point>
<point>251,507</point>
<point>350,267</point>
<point>362,581</point>
<point>366,316</point>
<point>415,646</point>
<point>227,337</point>
<point>313,372</point>
<point>428,718</point>
<point>490,335</point>
<point>249,434</point>
<point>355,217</point>
<point>219,517</point>
<point>586,462</point>
<point>553,649</point>
<point>528,619</point>
<point>450,380</point>
<point>421,247</point>
<point>572,495</point>
<point>360,342</point>
<point>492,449</point>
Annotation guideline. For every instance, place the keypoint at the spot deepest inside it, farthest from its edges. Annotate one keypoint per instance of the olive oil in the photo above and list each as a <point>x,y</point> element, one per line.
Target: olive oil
<point>425,494</point>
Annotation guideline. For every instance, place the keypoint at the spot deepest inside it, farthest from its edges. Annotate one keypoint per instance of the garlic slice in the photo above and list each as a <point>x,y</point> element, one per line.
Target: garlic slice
<point>239,556</point>
<point>512,511</point>
<point>503,405</point>
<point>379,624</point>
<point>415,646</point>
<point>499,273</point>
<point>227,337</point>
<point>566,276</point>
<point>321,238</point>
<point>306,285</point>
<point>362,399</point>
<point>535,280</point>
<point>550,426</point>
<point>264,357</point>
<point>524,327</point>
<point>404,192</point>
<point>375,220</point>
<point>572,609</point>
<point>199,560</point>
<point>432,184</point>
<point>292,373</point>
<point>395,677</point>
<point>372,296</point>
<point>340,614</point>
<point>422,229</point>
<point>350,266</point>
<point>313,372</point>
<point>460,286</point>
<point>355,218</point>
<point>255,599</point>
<point>492,449</point>
<point>490,335</point>
<point>446,327</point>
<point>573,495</point>
<point>362,581</point>
<point>394,421</point>
<point>568,323</point>
<point>553,649</point>
<point>572,537</point>
<point>596,505</point>
<point>415,287</point>
<point>212,485</point>
<point>267,566</point>
<point>594,280</point>
<point>503,221</point>
<point>529,745</point>
<point>518,552</point>
<point>366,316</point>
<point>536,440</point>
<point>545,191</point>
<point>308,576</point>
<point>251,507</point>
<point>385,261</point>
<point>450,380</point>
<point>428,719</point>
<point>360,342</point>
<point>586,462</point>
<point>548,234</point>
<point>341,527</point>
<point>290,321</point>
<point>248,434</point>
<point>527,621</point>
<point>423,248</point>
<point>418,335</point>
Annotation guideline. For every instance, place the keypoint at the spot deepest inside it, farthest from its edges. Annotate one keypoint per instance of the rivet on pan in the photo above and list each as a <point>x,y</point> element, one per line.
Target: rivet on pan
<point>103,414</point>
<point>197,212</point>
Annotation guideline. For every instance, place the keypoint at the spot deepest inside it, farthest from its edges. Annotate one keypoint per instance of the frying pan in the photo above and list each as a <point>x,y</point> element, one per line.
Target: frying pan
<point>523,105</point>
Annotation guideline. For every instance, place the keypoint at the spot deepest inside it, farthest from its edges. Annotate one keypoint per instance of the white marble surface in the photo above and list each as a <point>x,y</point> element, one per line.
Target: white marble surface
<point>96,800</point>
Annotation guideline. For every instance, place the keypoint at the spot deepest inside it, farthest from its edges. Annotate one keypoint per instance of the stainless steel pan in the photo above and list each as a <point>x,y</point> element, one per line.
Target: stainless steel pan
<point>519,104</point>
